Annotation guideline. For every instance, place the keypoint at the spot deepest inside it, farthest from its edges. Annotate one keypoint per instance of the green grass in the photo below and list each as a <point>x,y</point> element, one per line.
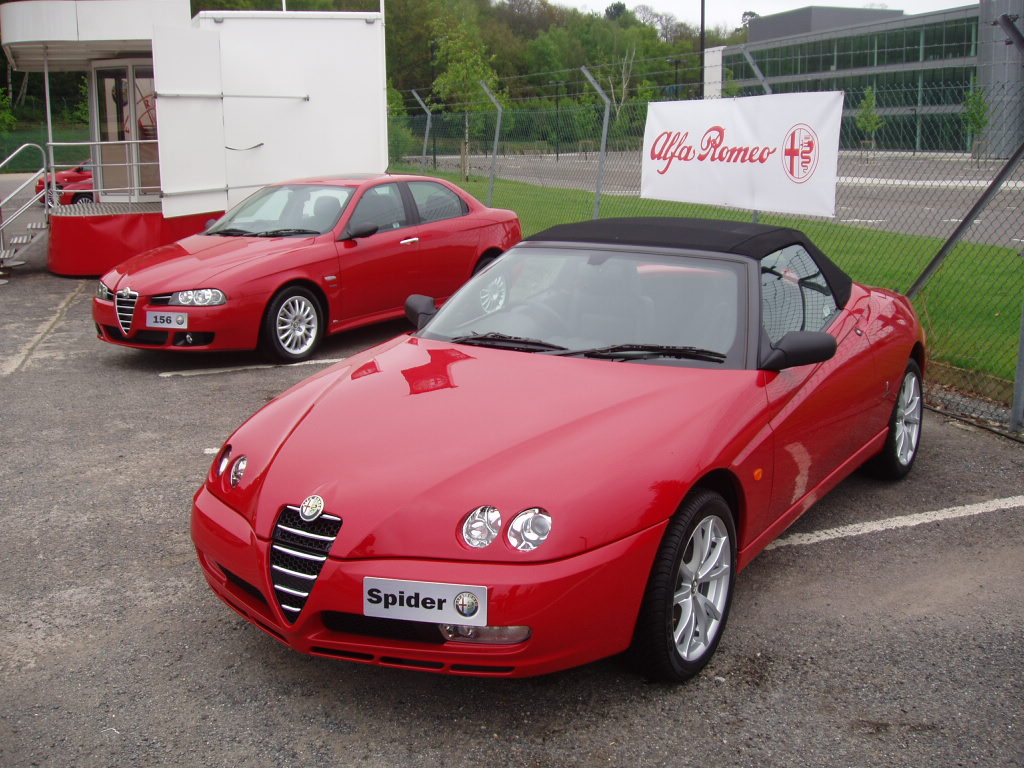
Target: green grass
<point>29,160</point>
<point>971,309</point>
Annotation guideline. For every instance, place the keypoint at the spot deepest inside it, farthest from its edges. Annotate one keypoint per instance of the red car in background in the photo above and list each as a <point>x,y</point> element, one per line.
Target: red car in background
<point>297,261</point>
<point>72,186</point>
<point>572,457</point>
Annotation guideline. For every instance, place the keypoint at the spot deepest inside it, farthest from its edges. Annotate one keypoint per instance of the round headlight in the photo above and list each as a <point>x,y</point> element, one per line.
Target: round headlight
<point>481,527</point>
<point>529,529</point>
<point>238,470</point>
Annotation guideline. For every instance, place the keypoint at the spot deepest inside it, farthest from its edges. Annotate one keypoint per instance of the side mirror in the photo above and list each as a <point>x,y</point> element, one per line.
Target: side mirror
<point>419,309</point>
<point>800,348</point>
<point>363,230</point>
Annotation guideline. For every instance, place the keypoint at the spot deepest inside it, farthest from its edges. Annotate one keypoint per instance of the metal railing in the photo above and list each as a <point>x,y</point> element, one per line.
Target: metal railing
<point>133,191</point>
<point>8,220</point>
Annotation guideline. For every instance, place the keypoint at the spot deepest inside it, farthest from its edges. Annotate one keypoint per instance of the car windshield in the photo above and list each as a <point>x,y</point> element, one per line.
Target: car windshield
<point>293,210</point>
<point>590,302</point>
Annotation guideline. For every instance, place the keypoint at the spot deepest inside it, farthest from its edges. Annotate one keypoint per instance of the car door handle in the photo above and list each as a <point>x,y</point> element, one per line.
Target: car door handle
<point>409,241</point>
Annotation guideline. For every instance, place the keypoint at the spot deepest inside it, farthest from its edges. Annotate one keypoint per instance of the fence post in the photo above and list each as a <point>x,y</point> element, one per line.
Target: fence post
<point>426,134</point>
<point>964,225</point>
<point>1017,411</point>
<point>604,141</point>
<point>497,135</point>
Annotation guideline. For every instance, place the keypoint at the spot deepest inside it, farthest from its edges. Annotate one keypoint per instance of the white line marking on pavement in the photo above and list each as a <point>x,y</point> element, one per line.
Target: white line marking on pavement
<point>234,369</point>
<point>210,451</point>
<point>892,523</point>
<point>22,356</point>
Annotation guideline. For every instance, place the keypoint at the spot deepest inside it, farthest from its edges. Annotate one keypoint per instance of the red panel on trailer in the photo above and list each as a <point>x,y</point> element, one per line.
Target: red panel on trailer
<point>88,246</point>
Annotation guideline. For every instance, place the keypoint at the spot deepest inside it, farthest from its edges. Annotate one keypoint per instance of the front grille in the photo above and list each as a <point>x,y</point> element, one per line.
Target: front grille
<point>124,302</point>
<point>297,555</point>
<point>152,338</point>
<point>384,629</point>
<point>161,300</point>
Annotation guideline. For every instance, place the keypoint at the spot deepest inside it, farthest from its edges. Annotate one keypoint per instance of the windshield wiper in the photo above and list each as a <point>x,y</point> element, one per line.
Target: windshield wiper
<point>646,351</point>
<point>503,341</point>
<point>285,231</point>
<point>232,232</point>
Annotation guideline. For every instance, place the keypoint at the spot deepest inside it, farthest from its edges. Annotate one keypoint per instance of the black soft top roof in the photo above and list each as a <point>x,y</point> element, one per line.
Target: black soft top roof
<point>736,237</point>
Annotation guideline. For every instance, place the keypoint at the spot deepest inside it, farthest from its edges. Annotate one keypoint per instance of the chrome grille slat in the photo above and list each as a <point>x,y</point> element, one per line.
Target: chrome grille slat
<point>124,303</point>
<point>297,555</point>
<point>290,591</point>
<point>293,573</point>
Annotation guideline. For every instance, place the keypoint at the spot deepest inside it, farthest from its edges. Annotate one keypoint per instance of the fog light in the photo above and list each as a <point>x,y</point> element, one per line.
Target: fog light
<point>461,633</point>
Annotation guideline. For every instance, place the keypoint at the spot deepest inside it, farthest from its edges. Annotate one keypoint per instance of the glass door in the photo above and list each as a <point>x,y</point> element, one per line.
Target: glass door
<point>127,168</point>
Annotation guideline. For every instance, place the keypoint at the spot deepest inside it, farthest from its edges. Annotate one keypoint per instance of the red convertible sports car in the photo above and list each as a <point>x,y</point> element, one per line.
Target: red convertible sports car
<point>571,458</point>
<point>296,261</point>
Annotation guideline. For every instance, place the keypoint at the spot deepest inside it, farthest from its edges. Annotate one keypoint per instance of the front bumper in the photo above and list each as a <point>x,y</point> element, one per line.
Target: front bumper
<point>579,609</point>
<point>226,327</point>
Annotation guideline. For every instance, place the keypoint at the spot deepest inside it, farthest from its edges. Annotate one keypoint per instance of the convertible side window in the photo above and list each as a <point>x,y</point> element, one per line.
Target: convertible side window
<point>381,205</point>
<point>794,293</point>
<point>435,202</point>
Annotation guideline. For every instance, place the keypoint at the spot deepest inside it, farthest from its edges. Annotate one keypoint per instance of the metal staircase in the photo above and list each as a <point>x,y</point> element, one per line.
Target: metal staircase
<point>13,244</point>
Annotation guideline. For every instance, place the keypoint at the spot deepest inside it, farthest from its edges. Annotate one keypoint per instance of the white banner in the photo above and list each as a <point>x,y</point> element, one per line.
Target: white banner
<point>765,153</point>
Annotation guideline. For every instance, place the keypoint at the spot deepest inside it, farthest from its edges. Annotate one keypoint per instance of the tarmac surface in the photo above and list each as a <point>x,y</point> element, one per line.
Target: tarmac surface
<point>897,646</point>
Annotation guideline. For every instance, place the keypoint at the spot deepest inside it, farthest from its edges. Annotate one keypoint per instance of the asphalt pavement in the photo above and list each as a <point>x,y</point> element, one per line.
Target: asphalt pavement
<point>877,646</point>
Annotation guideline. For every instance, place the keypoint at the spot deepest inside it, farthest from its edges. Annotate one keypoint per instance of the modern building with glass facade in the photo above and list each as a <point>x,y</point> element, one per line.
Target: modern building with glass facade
<point>922,68</point>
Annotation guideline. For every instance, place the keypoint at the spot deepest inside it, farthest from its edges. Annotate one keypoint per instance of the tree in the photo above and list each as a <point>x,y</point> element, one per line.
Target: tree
<point>975,116</point>
<point>747,17</point>
<point>667,25</point>
<point>400,138</point>
<point>868,119</point>
<point>464,64</point>
<point>7,120</point>
<point>615,11</point>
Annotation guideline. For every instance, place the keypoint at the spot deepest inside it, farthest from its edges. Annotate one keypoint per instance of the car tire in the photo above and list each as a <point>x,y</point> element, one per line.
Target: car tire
<point>484,263</point>
<point>686,603</point>
<point>81,199</point>
<point>897,457</point>
<point>292,326</point>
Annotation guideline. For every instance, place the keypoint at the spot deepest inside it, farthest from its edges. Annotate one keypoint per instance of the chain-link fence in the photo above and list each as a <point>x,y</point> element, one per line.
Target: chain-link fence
<point>898,200</point>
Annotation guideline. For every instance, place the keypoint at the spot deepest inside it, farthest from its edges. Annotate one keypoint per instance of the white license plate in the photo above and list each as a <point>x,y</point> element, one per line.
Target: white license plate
<point>425,601</point>
<point>174,320</point>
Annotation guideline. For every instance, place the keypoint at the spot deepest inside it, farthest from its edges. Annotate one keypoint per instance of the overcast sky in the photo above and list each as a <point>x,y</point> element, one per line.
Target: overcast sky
<point>728,13</point>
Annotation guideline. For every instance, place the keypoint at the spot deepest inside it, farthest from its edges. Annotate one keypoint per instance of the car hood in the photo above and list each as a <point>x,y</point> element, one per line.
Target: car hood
<point>193,262</point>
<point>402,442</point>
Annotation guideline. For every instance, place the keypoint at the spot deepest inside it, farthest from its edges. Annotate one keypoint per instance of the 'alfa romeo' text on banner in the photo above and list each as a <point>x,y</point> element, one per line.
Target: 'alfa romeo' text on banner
<point>765,153</point>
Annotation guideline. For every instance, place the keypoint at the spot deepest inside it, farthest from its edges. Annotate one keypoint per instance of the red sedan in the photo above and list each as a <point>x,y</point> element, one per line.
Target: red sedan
<point>297,261</point>
<point>573,457</point>
<point>73,185</point>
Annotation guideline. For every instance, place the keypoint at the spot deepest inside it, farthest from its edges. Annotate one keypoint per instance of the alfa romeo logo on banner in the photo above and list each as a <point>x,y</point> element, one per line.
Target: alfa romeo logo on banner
<point>800,157</point>
<point>768,153</point>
